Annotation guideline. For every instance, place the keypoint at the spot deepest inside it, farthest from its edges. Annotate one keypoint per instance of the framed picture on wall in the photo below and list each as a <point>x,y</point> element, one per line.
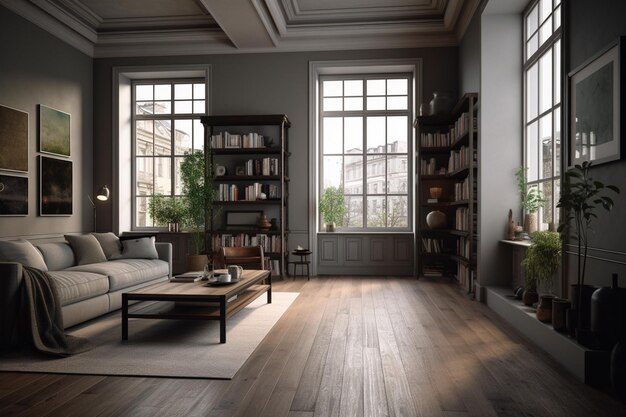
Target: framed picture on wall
<point>13,139</point>
<point>54,131</point>
<point>595,108</point>
<point>13,196</point>
<point>55,186</point>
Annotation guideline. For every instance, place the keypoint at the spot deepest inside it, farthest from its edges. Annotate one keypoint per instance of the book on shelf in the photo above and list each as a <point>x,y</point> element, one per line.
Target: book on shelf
<point>234,192</point>
<point>265,166</point>
<point>226,140</point>
<point>270,244</point>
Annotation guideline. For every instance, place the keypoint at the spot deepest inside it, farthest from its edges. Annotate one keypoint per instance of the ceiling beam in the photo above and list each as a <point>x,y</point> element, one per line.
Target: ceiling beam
<point>240,21</point>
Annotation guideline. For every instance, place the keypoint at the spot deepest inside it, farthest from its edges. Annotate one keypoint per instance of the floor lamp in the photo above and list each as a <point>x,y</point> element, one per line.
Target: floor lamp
<point>103,195</point>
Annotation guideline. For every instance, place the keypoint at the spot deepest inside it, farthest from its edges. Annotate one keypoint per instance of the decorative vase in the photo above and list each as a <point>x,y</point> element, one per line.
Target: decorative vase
<point>274,223</point>
<point>530,222</point>
<point>530,297</point>
<point>582,306</point>
<point>618,369</point>
<point>330,227</point>
<point>559,309</point>
<point>544,308</point>
<point>264,224</point>
<point>510,227</point>
<point>607,320</point>
<point>197,262</point>
<point>442,102</point>
<point>436,220</point>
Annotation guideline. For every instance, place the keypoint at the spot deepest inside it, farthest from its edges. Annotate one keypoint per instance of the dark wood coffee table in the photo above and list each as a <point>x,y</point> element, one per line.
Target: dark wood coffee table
<point>167,294</point>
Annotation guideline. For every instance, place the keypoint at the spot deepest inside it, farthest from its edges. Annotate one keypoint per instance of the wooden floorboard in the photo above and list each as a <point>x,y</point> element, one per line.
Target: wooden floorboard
<point>348,346</point>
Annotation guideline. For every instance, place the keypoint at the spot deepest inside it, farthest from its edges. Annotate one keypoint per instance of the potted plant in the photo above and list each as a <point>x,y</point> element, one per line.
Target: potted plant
<point>581,199</point>
<point>196,177</point>
<point>531,200</point>
<point>332,207</point>
<point>541,263</point>
<point>168,211</point>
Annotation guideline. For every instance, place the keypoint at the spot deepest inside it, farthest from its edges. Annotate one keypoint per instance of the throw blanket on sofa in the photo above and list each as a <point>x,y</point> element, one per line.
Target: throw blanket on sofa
<point>40,308</point>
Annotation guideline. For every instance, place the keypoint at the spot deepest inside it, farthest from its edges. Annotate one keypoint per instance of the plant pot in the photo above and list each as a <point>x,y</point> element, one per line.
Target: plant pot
<point>530,223</point>
<point>197,262</point>
<point>330,227</point>
<point>582,305</point>
<point>173,227</point>
<point>544,309</point>
<point>530,297</point>
<point>559,309</point>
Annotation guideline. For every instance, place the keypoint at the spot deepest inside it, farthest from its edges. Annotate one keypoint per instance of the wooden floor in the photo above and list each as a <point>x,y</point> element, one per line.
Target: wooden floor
<point>346,347</point>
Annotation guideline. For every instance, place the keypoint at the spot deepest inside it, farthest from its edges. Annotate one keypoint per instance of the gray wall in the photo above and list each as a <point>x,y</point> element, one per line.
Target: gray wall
<point>592,26</point>
<point>469,58</point>
<point>261,84</point>
<point>37,68</point>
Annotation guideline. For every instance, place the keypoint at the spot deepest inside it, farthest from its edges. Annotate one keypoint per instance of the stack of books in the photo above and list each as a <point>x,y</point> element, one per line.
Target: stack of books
<point>191,276</point>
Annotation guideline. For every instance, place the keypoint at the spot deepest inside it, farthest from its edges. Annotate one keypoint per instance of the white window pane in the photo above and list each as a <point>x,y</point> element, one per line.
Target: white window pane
<point>178,183</point>
<point>183,91</point>
<point>557,72</point>
<point>375,174</point>
<point>376,103</point>
<point>183,136</point>
<point>354,212</point>
<point>145,107</point>
<point>144,92</point>
<point>143,176</point>
<point>555,199</point>
<point>332,134</point>
<point>397,133</point>
<point>162,137</point>
<point>557,18</point>
<point>532,156</point>
<point>163,92</point>
<point>353,88</point>
<point>353,175</point>
<point>163,176</point>
<point>142,218</point>
<point>375,87</point>
<point>353,103</point>
<point>333,104</point>
<point>532,46</point>
<point>545,146</point>
<point>546,209</point>
<point>397,174</point>
<point>332,172</point>
<point>144,137</point>
<point>532,21</point>
<point>397,103</point>
<point>397,211</point>
<point>163,107</point>
<point>353,135</point>
<point>557,140</point>
<point>557,2</point>
<point>333,88</point>
<point>545,80</point>
<point>545,9</point>
<point>198,135</point>
<point>199,107</point>
<point>199,91</point>
<point>398,87</point>
<point>545,31</point>
<point>376,211</point>
<point>183,107</point>
<point>376,134</point>
<point>532,87</point>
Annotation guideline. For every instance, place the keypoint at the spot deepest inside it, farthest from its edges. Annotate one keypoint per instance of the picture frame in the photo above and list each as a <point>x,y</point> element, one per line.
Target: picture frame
<point>245,219</point>
<point>13,196</point>
<point>13,139</point>
<point>240,171</point>
<point>55,187</point>
<point>54,131</point>
<point>596,89</point>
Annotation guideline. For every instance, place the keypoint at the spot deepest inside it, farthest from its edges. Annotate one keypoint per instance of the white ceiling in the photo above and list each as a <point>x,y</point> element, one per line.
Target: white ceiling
<point>107,28</point>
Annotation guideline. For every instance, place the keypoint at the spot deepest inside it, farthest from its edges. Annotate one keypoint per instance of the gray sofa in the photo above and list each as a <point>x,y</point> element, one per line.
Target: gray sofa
<point>86,291</point>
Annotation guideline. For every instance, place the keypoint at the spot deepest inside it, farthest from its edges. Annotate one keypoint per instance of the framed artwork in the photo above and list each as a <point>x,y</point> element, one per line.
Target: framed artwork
<point>55,186</point>
<point>13,139</point>
<point>595,108</point>
<point>243,219</point>
<point>54,131</point>
<point>13,196</point>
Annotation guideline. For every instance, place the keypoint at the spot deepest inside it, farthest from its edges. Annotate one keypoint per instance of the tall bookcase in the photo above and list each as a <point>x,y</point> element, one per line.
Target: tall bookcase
<point>447,182</point>
<point>252,153</point>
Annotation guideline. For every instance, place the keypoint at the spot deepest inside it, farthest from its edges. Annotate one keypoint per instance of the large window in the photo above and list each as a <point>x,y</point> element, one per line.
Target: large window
<point>166,124</point>
<point>364,129</point>
<point>542,115</point>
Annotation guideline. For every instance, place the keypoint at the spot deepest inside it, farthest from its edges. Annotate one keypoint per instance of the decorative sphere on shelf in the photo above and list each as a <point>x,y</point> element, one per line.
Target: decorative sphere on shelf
<point>436,220</point>
<point>263,196</point>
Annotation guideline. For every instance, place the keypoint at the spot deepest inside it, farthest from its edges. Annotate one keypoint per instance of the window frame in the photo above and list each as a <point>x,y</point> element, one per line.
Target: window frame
<point>172,117</point>
<point>364,113</point>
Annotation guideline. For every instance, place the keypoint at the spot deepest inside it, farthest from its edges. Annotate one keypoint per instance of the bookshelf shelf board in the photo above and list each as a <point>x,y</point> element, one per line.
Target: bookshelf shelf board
<point>458,173</point>
<point>246,202</point>
<point>245,232</point>
<point>246,151</point>
<point>435,149</point>
<point>433,177</point>
<point>451,232</point>
<point>224,178</point>
<point>447,203</point>
<point>460,259</point>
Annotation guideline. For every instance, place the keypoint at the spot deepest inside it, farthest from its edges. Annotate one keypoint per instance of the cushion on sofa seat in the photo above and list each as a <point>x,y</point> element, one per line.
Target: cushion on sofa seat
<point>124,273</point>
<point>58,255</point>
<point>75,286</point>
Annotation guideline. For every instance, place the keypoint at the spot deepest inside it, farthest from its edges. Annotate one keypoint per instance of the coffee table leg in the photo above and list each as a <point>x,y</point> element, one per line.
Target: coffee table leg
<point>124,317</point>
<point>222,319</point>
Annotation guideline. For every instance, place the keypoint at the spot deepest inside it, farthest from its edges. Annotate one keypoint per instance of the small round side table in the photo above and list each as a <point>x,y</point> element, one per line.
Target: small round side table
<point>304,261</point>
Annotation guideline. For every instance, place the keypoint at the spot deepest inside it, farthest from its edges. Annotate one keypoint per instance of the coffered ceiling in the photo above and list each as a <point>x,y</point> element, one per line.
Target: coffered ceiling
<point>106,28</point>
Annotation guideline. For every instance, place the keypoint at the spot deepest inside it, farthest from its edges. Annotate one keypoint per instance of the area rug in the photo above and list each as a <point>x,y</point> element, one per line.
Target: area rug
<point>164,348</point>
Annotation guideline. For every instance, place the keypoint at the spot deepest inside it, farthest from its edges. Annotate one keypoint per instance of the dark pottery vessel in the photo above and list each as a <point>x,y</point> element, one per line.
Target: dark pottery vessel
<point>582,305</point>
<point>559,309</point>
<point>544,309</point>
<point>607,314</point>
<point>530,297</point>
<point>618,369</point>
<point>571,321</point>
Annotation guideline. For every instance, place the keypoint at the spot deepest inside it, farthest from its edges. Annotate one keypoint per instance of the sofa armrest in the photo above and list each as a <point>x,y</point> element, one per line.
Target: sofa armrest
<point>164,249</point>
<point>10,281</point>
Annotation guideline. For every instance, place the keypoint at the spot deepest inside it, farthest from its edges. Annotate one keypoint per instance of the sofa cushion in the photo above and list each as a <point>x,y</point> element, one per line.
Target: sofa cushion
<point>75,286</point>
<point>23,252</point>
<point>124,273</point>
<point>86,248</point>
<point>140,248</point>
<point>58,255</point>
<point>111,245</point>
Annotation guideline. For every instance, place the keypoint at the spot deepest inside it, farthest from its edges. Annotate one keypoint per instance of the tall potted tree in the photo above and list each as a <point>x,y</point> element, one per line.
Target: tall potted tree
<point>531,200</point>
<point>581,198</point>
<point>332,207</point>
